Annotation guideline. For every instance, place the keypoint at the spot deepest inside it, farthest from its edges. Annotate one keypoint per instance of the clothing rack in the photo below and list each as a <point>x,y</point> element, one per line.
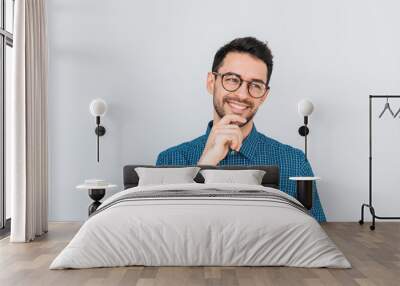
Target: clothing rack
<point>369,205</point>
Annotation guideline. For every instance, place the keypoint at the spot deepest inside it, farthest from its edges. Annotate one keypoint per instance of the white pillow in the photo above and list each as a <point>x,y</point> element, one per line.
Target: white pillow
<point>249,177</point>
<point>162,176</point>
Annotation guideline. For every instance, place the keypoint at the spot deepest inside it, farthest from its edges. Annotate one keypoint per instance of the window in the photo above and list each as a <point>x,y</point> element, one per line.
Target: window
<point>6,44</point>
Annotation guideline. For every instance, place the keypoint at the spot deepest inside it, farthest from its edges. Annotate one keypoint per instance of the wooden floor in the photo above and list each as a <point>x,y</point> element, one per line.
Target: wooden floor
<point>374,255</point>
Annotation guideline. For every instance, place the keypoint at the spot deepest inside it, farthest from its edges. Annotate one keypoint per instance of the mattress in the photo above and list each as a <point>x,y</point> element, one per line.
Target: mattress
<point>201,225</point>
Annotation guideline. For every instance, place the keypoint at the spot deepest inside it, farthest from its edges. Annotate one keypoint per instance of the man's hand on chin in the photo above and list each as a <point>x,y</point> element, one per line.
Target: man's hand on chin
<point>224,135</point>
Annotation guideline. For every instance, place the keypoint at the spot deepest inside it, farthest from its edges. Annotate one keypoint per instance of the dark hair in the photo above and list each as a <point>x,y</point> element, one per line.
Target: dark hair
<point>249,45</point>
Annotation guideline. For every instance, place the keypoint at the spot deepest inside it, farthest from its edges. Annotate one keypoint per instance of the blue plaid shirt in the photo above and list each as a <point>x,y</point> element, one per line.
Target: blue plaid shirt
<point>257,149</point>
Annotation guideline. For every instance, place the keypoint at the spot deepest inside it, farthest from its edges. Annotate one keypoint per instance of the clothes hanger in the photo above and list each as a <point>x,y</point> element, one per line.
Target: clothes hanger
<point>397,113</point>
<point>387,107</point>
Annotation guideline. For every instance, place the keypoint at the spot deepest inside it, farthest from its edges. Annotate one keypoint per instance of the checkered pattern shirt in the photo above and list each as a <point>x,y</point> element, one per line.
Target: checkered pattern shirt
<point>257,149</point>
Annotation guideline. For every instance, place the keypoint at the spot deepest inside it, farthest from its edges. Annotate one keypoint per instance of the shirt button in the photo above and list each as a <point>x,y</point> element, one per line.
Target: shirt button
<point>233,152</point>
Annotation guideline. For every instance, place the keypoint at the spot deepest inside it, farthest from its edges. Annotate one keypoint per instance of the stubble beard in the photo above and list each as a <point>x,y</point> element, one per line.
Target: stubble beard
<point>221,113</point>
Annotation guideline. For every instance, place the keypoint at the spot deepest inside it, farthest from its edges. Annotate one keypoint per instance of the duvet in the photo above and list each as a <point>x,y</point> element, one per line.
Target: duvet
<point>201,224</point>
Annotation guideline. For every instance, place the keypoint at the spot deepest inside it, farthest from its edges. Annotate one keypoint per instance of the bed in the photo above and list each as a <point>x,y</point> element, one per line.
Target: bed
<point>201,224</point>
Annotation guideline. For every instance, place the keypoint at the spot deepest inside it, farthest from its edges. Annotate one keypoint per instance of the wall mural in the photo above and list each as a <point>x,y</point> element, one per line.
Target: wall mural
<point>239,83</point>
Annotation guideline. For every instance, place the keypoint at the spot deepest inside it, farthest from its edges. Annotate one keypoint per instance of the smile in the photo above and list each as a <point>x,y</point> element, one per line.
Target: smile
<point>237,106</point>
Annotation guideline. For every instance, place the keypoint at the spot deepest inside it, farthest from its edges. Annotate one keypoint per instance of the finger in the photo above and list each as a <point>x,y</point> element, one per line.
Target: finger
<point>223,138</point>
<point>235,144</point>
<point>233,140</point>
<point>229,127</point>
<point>226,127</point>
<point>230,118</point>
<point>238,149</point>
<point>234,131</point>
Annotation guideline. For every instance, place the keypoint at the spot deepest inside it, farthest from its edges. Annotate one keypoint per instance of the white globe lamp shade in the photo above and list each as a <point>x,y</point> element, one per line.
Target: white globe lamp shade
<point>98,107</point>
<point>305,107</point>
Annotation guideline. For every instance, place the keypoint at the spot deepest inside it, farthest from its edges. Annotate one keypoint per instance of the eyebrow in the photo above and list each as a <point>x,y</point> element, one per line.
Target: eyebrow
<point>252,79</point>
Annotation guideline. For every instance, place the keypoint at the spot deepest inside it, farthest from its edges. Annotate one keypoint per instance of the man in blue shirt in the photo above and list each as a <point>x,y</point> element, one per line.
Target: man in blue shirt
<point>239,85</point>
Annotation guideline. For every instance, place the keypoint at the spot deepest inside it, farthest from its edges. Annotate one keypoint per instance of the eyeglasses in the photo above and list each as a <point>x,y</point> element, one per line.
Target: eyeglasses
<point>232,82</point>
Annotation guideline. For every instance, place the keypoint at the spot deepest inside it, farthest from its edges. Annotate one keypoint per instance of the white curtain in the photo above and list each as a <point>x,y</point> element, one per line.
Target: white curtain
<point>27,121</point>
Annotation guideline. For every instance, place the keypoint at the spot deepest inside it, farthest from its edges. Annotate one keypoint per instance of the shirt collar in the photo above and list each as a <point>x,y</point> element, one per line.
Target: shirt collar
<point>249,145</point>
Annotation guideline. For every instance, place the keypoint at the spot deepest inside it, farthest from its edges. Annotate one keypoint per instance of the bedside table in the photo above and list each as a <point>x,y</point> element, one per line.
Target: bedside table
<point>304,190</point>
<point>96,193</point>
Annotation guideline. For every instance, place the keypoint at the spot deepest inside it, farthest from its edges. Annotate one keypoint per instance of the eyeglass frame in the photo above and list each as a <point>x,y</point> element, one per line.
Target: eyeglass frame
<point>241,82</point>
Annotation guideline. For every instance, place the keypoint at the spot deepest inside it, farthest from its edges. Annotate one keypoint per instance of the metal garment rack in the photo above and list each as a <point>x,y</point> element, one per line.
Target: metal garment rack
<point>369,205</point>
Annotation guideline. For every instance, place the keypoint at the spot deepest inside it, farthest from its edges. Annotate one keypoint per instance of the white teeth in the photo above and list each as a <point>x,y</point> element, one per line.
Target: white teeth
<point>237,105</point>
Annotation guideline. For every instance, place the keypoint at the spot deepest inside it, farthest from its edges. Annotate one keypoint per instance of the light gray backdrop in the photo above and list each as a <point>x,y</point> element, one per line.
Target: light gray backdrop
<point>149,60</point>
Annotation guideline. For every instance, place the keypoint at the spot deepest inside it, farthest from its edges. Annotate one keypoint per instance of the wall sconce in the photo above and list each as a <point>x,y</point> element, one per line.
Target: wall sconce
<point>98,107</point>
<point>305,108</point>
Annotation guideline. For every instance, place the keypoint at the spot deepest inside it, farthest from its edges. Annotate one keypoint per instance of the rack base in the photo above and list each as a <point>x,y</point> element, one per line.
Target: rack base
<point>374,216</point>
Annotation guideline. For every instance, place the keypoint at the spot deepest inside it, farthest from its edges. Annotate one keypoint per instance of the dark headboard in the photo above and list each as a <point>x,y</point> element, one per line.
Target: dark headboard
<point>270,179</point>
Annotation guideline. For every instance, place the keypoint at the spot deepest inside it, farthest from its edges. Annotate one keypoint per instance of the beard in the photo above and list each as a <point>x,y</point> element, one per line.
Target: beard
<point>219,108</point>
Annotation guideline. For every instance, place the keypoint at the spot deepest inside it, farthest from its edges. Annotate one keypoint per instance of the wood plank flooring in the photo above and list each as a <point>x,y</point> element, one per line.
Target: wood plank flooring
<point>374,255</point>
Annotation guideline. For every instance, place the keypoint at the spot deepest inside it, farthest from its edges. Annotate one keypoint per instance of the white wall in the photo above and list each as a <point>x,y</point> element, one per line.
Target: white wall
<point>149,59</point>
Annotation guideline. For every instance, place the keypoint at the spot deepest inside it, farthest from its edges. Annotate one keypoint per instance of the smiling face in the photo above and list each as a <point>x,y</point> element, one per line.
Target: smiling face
<point>237,102</point>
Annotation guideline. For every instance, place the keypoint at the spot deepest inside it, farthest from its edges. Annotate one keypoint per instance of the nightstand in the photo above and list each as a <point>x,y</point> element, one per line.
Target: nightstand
<point>96,193</point>
<point>304,190</point>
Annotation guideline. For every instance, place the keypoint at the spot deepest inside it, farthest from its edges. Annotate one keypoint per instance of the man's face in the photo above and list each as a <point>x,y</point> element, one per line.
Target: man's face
<point>237,102</point>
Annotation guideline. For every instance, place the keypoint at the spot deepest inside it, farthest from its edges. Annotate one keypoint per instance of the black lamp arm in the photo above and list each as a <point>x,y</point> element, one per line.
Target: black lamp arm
<point>303,131</point>
<point>100,131</point>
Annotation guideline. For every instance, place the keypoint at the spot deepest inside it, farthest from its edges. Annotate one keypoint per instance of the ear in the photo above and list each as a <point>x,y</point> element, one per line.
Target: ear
<point>210,83</point>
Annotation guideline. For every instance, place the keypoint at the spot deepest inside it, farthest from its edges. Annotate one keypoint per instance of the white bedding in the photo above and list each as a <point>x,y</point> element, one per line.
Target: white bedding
<point>182,231</point>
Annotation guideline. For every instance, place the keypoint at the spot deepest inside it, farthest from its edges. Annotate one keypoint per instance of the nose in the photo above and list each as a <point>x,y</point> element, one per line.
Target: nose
<point>243,91</point>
